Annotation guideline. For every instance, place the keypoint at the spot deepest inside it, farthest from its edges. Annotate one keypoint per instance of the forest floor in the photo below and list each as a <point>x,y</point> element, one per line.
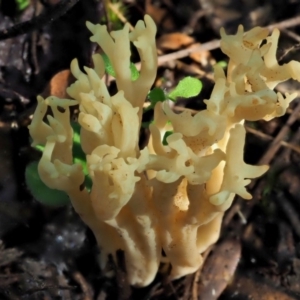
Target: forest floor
<point>48,253</point>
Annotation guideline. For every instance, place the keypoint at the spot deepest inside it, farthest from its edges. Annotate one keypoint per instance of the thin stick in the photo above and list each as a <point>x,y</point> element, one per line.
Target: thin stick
<point>291,34</point>
<point>285,24</point>
<point>276,143</point>
<point>186,52</point>
<point>270,138</point>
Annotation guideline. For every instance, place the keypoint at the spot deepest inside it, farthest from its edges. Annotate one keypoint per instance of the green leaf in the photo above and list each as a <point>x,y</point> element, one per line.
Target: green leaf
<point>40,191</point>
<point>110,70</point>
<point>108,66</point>
<point>167,133</point>
<point>39,147</point>
<point>157,95</point>
<point>135,74</point>
<point>222,63</point>
<point>186,88</point>
<point>22,4</point>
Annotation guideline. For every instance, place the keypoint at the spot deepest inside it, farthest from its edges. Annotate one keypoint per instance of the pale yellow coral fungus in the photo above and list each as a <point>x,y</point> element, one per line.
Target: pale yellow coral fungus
<point>163,198</point>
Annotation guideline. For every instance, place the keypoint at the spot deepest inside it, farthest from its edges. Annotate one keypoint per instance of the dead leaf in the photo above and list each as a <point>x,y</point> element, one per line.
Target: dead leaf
<point>8,256</point>
<point>160,16</point>
<point>174,41</point>
<point>219,269</point>
<point>58,84</point>
<point>255,287</point>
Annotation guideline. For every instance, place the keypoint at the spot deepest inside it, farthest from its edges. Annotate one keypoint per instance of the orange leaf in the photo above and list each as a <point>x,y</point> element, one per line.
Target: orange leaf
<point>174,41</point>
<point>58,84</point>
<point>160,15</point>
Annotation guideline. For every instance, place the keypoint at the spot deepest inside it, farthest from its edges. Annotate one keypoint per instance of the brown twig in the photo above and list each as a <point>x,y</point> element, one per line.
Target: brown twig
<point>267,137</point>
<point>39,21</point>
<point>287,51</point>
<point>186,52</point>
<point>276,143</point>
<point>285,24</point>
<point>289,210</point>
<point>85,286</point>
<point>291,34</point>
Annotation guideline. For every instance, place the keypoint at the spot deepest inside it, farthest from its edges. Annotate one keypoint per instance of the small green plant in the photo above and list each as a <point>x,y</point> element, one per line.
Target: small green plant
<point>116,11</point>
<point>187,87</point>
